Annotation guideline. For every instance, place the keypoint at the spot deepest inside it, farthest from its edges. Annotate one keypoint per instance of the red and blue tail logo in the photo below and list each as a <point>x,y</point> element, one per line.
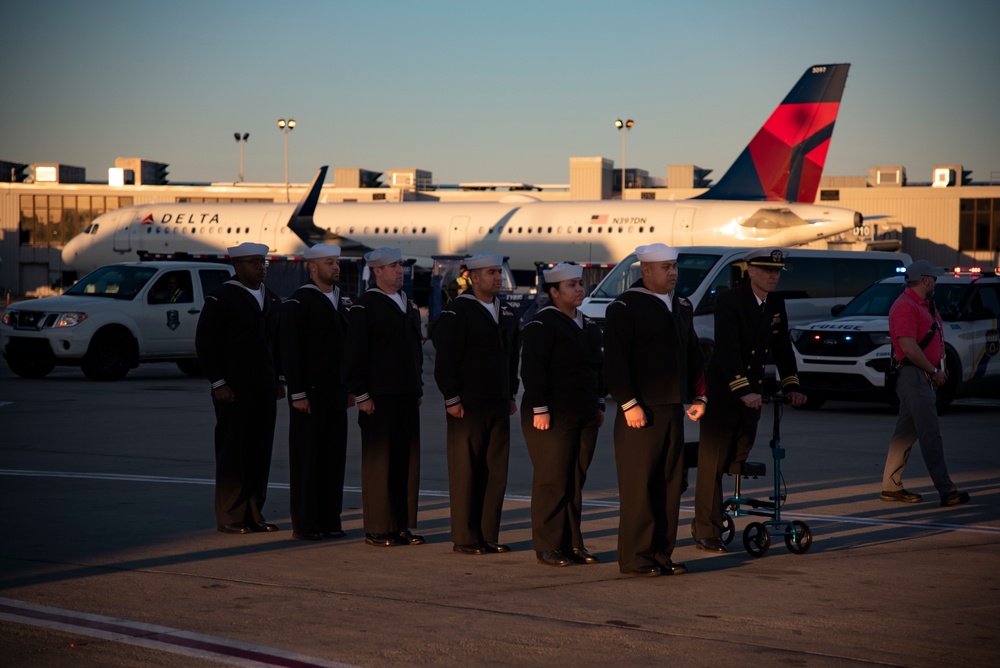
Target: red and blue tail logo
<point>784,161</point>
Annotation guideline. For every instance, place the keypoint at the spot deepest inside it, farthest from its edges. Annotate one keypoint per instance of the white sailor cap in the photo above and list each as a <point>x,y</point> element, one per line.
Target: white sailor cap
<point>562,272</point>
<point>656,253</point>
<point>321,250</point>
<point>246,249</point>
<point>773,257</point>
<point>480,260</point>
<point>383,256</point>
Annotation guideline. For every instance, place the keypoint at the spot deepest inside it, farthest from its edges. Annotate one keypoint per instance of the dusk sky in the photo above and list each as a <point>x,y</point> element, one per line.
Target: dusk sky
<point>503,91</point>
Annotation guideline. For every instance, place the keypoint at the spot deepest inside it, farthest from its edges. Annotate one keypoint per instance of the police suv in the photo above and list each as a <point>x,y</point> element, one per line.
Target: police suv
<point>113,319</point>
<point>846,357</point>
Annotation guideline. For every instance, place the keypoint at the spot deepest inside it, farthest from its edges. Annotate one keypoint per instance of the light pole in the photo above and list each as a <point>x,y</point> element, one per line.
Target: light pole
<point>286,127</point>
<point>241,140</point>
<point>623,128</point>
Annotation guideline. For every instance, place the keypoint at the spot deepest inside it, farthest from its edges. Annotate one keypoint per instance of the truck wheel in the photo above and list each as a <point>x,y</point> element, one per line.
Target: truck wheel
<point>109,357</point>
<point>31,366</point>
<point>191,368</point>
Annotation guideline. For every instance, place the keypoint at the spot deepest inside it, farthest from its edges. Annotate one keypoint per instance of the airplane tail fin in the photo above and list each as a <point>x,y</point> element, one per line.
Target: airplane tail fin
<point>784,161</point>
<point>301,220</point>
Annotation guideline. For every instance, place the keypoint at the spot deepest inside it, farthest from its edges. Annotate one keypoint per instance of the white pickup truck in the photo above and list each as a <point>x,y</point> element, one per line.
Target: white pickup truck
<point>113,319</point>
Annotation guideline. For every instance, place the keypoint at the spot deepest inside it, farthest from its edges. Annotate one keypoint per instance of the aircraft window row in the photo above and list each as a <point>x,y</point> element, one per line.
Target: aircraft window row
<point>395,230</point>
<point>194,230</point>
<point>569,230</point>
<point>386,230</point>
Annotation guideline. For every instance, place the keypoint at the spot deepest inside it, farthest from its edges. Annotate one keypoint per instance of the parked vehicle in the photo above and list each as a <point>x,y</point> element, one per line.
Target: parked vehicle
<point>112,319</point>
<point>846,357</point>
<point>813,281</point>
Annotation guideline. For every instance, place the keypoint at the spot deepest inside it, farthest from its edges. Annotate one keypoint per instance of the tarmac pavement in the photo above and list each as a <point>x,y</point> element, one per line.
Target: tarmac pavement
<point>110,557</point>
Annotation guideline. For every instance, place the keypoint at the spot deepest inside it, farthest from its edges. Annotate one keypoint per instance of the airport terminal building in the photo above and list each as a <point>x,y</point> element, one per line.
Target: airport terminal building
<point>951,220</point>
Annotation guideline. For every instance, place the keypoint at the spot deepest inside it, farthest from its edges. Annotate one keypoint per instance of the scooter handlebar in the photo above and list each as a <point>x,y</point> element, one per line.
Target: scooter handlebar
<point>774,399</point>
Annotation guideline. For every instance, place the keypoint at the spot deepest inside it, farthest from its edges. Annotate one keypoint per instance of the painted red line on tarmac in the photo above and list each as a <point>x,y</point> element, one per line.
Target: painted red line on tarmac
<point>149,635</point>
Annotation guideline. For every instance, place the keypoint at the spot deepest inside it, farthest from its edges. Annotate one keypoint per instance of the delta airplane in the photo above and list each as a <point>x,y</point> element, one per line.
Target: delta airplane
<point>761,200</point>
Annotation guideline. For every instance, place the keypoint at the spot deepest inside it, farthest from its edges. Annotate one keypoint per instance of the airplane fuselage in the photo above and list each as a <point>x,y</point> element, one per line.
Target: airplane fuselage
<point>527,231</point>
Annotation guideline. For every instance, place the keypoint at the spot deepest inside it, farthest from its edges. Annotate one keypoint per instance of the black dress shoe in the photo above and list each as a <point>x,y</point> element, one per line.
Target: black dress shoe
<point>674,569</point>
<point>335,534</point>
<point>645,572</point>
<point>712,544</point>
<point>404,537</point>
<point>496,548</point>
<point>312,535</point>
<point>552,558</point>
<point>379,539</point>
<point>581,556</point>
<point>471,548</point>
<point>263,526</point>
<point>233,528</point>
<point>954,498</point>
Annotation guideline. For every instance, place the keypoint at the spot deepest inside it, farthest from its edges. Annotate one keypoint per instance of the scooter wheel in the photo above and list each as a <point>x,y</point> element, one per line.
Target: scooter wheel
<point>801,540</point>
<point>756,539</point>
<point>728,531</point>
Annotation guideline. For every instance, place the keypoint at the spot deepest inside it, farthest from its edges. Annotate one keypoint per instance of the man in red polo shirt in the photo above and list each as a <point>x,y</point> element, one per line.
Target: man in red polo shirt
<point>918,344</point>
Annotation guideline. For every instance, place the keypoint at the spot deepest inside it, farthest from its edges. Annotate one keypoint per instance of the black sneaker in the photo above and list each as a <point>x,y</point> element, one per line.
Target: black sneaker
<point>954,498</point>
<point>901,496</point>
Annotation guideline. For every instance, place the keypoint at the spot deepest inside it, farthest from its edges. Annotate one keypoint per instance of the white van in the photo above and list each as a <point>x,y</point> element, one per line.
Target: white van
<point>814,281</point>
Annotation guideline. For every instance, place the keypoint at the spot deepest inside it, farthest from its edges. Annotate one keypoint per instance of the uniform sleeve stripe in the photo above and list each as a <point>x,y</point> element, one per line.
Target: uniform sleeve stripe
<point>630,404</point>
<point>540,410</point>
<point>453,401</point>
<point>789,380</point>
<point>739,383</point>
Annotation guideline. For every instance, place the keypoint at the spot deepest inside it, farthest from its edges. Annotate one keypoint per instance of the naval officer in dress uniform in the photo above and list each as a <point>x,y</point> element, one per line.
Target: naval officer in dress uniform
<point>653,365</point>
<point>477,339</point>
<point>384,370</point>
<point>312,343</point>
<point>235,344</point>
<point>561,412</point>
<point>750,324</point>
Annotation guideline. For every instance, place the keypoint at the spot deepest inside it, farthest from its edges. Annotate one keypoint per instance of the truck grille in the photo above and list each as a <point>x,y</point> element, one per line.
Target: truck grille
<point>32,320</point>
<point>834,344</point>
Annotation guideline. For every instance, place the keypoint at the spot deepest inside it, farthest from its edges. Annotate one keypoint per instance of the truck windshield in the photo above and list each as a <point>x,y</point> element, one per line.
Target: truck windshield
<point>114,281</point>
<point>877,299</point>
<point>692,269</point>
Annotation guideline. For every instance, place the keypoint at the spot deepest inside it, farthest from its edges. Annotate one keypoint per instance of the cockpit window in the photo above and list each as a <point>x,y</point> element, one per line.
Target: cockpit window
<point>93,228</point>
<point>114,281</point>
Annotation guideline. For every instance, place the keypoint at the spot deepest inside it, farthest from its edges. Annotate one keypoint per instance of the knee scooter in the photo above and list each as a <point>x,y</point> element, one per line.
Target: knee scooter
<point>757,535</point>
